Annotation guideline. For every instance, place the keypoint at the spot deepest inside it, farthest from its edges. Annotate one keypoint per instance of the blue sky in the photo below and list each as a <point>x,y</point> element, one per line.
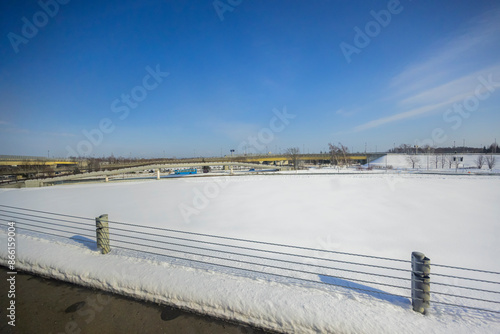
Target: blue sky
<point>184,78</point>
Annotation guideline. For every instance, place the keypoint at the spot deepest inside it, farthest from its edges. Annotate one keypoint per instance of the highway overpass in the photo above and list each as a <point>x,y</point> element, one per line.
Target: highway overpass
<point>104,175</point>
<point>25,167</point>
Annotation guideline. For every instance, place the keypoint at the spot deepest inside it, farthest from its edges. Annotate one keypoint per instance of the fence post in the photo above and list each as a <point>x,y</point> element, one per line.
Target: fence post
<point>420,282</point>
<point>102,232</point>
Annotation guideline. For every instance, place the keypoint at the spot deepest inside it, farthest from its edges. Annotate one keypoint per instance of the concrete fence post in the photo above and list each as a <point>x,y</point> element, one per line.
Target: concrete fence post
<point>102,232</point>
<point>420,282</point>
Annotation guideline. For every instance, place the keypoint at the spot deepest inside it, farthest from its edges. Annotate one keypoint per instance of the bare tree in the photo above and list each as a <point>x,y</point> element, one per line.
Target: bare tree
<point>435,159</point>
<point>480,160</point>
<point>413,160</point>
<point>293,155</point>
<point>456,161</point>
<point>94,165</point>
<point>449,160</point>
<point>403,148</point>
<point>427,149</point>
<point>443,161</point>
<point>339,154</point>
<point>491,161</point>
<point>345,151</point>
<point>334,153</point>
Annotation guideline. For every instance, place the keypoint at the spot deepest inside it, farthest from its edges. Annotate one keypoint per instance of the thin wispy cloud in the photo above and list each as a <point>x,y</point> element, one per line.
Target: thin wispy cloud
<point>401,116</point>
<point>346,113</point>
<point>454,90</point>
<point>446,77</point>
<point>446,59</point>
<point>59,134</point>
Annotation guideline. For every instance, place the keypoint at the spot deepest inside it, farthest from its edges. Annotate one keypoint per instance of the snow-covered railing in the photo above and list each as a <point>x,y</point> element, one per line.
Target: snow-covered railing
<point>385,278</point>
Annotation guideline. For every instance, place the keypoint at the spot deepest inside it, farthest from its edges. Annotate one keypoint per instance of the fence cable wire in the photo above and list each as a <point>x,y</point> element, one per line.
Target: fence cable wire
<point>281,253</point>
<point>44,222</point>
<point>468,269</point>
<point>262,242</point>
<point>48,228</point>
<point>233,267</point>
<point>250,256</point>
<point>62,220</point>
<point>273,274</point>
<point>46,212</point>
<point>281,275</point>
<point>268,251</point>
<point>220,237</point>
<point>265,265</point>
<point>275,244</point>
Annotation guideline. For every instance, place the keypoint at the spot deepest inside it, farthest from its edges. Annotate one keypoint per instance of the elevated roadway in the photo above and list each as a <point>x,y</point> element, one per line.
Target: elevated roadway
<point>107,173</point>
<point>38,166</point>
<point>302,157</point>
<point>19,161</point>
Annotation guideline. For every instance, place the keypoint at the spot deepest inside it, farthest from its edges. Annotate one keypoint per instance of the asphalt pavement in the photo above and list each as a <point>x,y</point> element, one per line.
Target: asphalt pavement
<point>45,305</point>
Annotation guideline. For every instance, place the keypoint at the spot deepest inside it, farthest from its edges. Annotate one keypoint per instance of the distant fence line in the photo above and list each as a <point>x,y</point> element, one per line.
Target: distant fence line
<point>302,265</point>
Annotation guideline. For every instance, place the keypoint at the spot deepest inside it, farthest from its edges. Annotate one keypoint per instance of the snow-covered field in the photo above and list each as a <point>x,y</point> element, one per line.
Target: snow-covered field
<point>452,219</point>
<point>465,162</point>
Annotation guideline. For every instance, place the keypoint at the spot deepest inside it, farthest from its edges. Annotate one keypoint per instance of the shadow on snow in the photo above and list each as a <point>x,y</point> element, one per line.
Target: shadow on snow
<point>379,294</point>
<point>89,243</point>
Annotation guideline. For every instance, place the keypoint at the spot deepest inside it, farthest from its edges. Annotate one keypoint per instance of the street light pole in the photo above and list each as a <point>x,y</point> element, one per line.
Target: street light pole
<point>428,151</point>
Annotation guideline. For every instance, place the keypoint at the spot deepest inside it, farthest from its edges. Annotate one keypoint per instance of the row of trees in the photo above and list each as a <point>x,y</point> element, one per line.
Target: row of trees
<point>414,149</point>
<point>446,160</point>
<point>338,155</point>
<point>490,160</point>
<point>440,158</point>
